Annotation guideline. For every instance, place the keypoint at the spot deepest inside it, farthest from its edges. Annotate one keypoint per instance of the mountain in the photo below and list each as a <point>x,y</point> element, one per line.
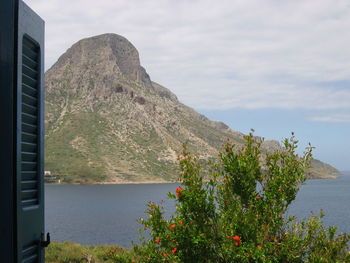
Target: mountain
<point>107,121</point>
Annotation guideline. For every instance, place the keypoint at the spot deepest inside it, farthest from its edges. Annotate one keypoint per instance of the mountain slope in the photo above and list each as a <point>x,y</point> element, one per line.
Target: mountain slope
<point>107,121</point>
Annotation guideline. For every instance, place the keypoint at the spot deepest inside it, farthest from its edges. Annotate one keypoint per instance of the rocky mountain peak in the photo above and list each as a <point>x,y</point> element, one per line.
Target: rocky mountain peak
<point>110,52</point>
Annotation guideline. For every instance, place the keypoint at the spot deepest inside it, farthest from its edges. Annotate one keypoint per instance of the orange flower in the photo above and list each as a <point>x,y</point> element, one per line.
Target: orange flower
<point>257,197</point>
<point>172,226</point>
<point>201,235</point>
<point>174,250</point>
<point>157,240</point>
<point>259,247</point>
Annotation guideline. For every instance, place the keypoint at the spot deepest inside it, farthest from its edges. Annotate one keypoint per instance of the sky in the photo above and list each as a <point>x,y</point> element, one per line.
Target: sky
<point>274,66</point>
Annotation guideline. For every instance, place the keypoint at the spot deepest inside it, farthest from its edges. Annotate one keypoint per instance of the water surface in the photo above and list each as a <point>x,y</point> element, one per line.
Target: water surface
<point>107,214</point>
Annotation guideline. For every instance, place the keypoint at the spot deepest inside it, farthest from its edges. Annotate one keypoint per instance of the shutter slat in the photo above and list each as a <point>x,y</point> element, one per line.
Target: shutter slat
<point>29,147</point>
<point>27,202</point>
<point>30,254</point>
<point>29,128</point>
<point>30,72</point>
<point>29,184</point>
<point>29,249</point>
<point>29,119</point>
<point>30,44</point>
<point>29,90</point>
<point>31,259</point>
<point>28,80</point>
<point>29,156</point>
<point>29,100</point>
<point>29,109</point>
<point>29,137</point>
<point>29,166</point>
<point>30,192</point>
<point>29,175</point>
<point>29,62</point>
<point>30,53</point>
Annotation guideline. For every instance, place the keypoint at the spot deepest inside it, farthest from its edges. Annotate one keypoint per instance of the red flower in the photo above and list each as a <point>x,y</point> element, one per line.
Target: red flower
<point>181,223</point>
<point>257,197</point>
<point>174,250</point>
<point>227,202</point>
<point>165,255</point>
<point>178,194</point>
<point>237,238</point>
<point>157,240</point>
<point>172,226</point>
<point>179,189</point>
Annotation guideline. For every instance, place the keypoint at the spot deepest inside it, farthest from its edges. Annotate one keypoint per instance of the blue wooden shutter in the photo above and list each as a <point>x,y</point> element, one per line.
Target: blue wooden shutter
<point>30,136</point>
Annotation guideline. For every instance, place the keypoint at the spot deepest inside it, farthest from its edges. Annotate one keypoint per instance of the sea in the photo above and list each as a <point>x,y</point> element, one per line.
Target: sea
<point>108,214</point>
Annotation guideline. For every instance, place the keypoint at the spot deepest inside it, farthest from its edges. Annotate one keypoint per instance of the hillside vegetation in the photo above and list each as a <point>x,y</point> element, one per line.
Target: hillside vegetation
<point>106,121</point>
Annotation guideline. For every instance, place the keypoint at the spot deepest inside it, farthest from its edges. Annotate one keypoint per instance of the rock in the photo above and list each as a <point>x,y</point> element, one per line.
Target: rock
<point>140,100</point>
<point>119,88</point>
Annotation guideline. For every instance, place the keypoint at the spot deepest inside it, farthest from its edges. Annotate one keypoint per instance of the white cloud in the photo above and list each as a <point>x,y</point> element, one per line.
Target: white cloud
<point>222,54</point>
<point>333,118</point>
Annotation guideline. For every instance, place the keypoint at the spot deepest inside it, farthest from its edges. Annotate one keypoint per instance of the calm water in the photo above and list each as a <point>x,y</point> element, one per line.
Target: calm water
<point>107,214</point>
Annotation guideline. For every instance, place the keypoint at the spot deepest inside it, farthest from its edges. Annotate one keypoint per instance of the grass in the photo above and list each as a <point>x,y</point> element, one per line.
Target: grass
<point>68,252</point>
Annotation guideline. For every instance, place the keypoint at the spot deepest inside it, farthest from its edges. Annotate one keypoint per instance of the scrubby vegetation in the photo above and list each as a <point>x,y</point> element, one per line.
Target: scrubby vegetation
<point>239,214</point>
<point>236,214</point>
<point>68,252</point>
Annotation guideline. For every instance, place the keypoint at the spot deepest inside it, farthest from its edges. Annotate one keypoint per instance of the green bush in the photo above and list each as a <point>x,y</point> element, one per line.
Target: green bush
<point>238,214</point>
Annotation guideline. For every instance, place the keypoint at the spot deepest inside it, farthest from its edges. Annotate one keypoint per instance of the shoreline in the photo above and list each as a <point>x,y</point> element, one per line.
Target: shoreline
<point>331,176</point>
<point>156,181</point>
<point>137,182</point>
<point>117,183</point>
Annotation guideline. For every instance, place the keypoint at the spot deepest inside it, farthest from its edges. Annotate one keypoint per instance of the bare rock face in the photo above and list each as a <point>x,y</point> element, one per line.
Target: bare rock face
<point>105,51</point>
<point>107,121</point>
